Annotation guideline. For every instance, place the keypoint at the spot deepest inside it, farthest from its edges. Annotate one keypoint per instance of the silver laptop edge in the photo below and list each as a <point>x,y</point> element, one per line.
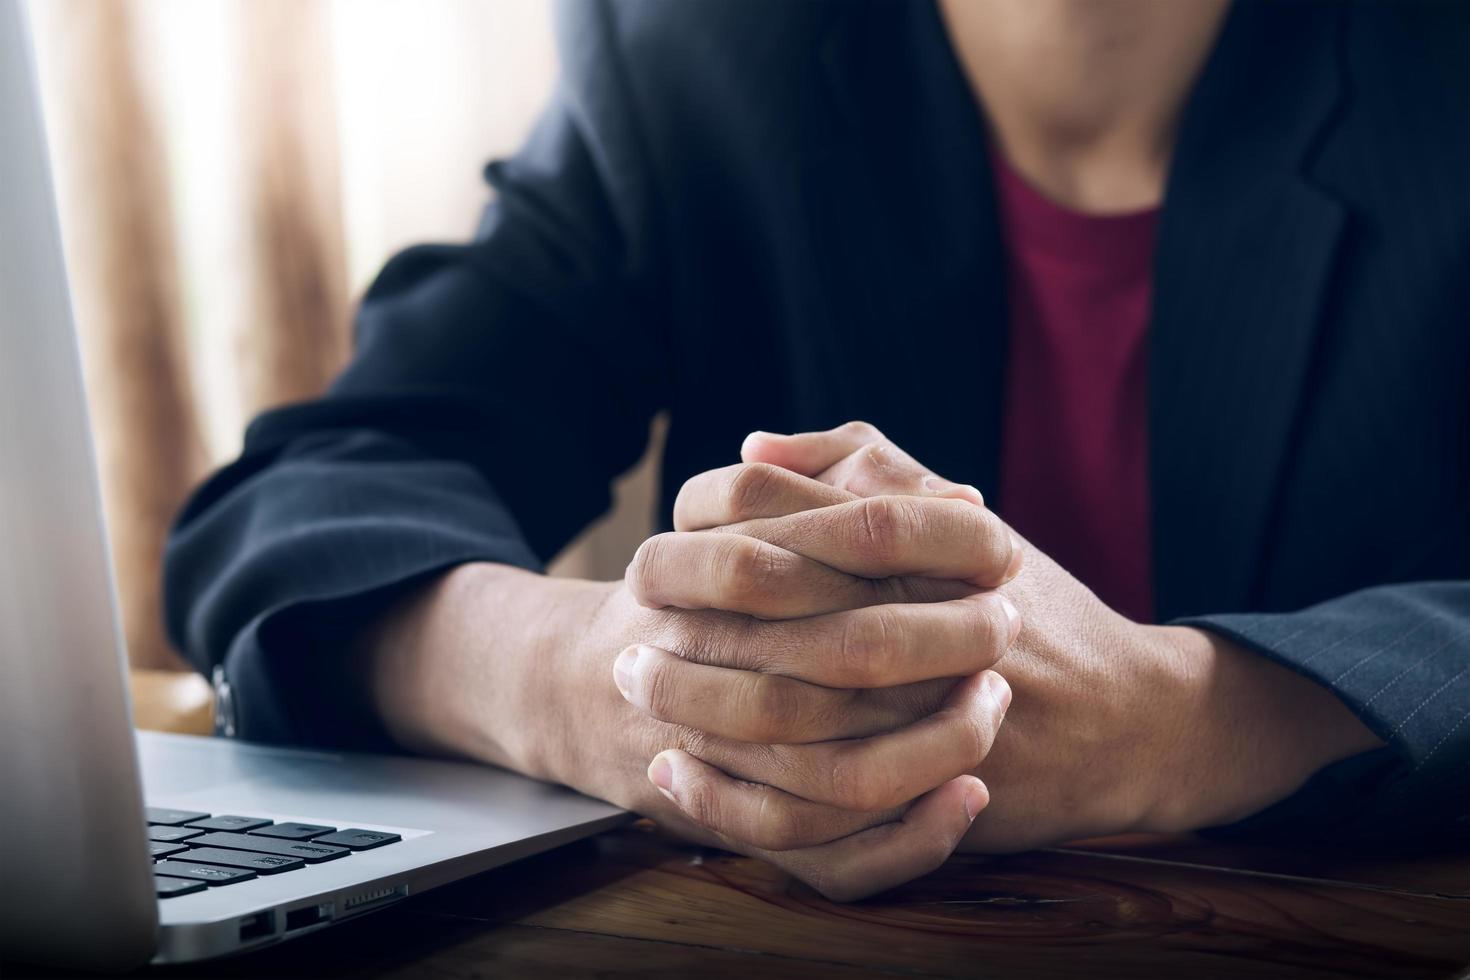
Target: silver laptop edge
<point>62,682</point>
<point>78,878</point>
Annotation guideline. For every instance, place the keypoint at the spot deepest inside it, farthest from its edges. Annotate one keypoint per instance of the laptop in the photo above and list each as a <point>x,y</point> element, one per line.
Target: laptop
<point>116,847</point>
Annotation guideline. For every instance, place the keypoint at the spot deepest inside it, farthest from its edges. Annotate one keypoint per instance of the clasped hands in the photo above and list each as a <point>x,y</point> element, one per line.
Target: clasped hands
<point>818,635</point>
<point>848,666</point>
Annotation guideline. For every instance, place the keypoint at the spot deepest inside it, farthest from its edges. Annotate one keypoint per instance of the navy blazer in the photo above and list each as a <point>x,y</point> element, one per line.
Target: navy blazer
<point>776,215</point>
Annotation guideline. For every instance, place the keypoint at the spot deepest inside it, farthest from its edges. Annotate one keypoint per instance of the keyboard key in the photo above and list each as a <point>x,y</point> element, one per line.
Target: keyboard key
<point>169,887</point>
<point>293,831</point>
<point>172,818</point>
<point>208,874</point>
<point>309,851</point>
<point>230,823</point>
<point>169,835</point>
<point>358,839</point>
<point>265,864</point>
<point>162,850</point>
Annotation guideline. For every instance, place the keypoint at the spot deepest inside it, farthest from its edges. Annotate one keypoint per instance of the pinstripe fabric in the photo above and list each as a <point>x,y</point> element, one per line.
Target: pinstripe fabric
<point>1393,333</point>
<point>790,247</point>
<point>1399,656</point>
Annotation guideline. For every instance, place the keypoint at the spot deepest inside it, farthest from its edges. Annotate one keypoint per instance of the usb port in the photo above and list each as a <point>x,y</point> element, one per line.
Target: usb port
<point>257,926</point>
<point>308,915</point>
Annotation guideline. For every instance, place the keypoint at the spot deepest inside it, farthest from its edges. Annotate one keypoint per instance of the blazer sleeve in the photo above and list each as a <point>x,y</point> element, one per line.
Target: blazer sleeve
<point>496,389</point>
<point>1399,657</point>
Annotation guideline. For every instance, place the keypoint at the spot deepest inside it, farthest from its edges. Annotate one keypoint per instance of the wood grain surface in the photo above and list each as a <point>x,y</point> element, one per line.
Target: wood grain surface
<point>635,903</point>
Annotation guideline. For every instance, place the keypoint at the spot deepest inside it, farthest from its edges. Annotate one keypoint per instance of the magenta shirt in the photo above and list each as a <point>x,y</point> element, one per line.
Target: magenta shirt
<point>1074,447</point>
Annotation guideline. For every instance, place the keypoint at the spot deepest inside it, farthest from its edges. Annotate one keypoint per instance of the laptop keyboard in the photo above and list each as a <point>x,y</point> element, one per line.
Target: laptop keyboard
<point>193,851</point>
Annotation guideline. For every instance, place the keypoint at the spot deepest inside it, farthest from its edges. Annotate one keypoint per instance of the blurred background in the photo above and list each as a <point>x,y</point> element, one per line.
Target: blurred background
<point>231,175</point>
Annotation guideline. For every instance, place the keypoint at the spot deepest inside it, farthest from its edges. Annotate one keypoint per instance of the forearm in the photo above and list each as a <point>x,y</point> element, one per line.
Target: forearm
<point>471,647</point>
<point>1246,733</point>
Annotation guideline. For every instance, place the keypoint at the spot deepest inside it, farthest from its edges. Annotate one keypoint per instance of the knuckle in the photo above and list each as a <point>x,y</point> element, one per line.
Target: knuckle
<point>643,574</point>
<point>749,491</point>
<point>781,826</point>
<point>991,632</point>
<point>877,530</point>
<point>840,779</point>
<point>976,724</point>
<point>690,493</point>
<point>991,542</point>
<point>749,570</point>
<point>772,708</point>
<point>865,645</point>
<point>700,801</point>
<point>876,457</point>
<point>660,689</point>
<point>852,782</point>
<point>868,471</point>
<point>977,735</point>
<point>866,431</point>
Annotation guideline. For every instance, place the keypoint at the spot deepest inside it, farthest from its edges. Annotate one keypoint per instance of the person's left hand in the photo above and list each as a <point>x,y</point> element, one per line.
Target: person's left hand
<point>1115,725</point>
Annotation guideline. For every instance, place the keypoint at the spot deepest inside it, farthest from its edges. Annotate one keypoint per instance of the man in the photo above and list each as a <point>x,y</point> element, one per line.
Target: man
<point>1178,289</point>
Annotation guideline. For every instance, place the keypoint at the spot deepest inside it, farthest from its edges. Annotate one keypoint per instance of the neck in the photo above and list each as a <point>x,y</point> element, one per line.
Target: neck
<point>1083,96</point>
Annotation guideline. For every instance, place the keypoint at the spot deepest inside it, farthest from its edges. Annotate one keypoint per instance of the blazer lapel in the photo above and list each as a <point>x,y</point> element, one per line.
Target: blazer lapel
<point>897,186</point>
<point>1245,253</point>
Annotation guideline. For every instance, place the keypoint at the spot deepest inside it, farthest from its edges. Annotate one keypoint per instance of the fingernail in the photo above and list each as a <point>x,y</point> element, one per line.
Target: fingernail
<point>623,671</point>
<point>1013,619</point>
<point>975,799</point>
<point>1018,551</point>
<point>996,686</point>
<point>661,774</point>
<point>940,487</point>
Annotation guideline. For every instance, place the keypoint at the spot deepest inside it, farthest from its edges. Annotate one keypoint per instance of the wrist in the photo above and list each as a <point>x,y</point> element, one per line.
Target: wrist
<point>453,666</point>
<point>412,651</point>
<point>1152,683</point>
<point>1239,732</point>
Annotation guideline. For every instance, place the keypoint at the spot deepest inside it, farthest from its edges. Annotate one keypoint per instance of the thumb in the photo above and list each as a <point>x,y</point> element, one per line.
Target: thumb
<point>855,457</point>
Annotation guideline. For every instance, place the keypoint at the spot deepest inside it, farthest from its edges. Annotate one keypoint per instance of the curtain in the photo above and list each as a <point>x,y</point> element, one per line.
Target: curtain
<point>230,174</point>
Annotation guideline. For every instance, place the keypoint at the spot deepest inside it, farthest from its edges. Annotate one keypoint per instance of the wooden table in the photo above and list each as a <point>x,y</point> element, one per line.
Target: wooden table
<point>634,903</point>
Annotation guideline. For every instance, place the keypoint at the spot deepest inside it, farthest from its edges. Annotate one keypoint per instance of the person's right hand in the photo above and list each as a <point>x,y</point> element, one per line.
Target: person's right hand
<point>1118,726</point>
<point>841,702</point>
